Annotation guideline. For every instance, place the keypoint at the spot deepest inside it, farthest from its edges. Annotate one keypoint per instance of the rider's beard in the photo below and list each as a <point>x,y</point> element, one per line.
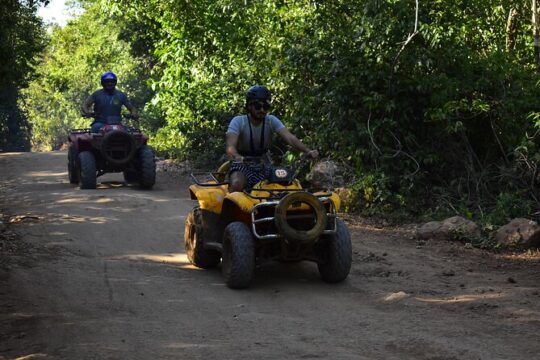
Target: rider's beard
<point>257,115</point>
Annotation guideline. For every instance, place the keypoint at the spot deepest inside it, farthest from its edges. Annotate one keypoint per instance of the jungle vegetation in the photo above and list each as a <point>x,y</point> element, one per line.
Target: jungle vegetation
<point>431,106</point>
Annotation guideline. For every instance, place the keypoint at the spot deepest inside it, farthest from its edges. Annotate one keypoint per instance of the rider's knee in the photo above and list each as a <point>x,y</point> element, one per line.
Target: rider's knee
<point>96,126</point>
<point>237,181</point>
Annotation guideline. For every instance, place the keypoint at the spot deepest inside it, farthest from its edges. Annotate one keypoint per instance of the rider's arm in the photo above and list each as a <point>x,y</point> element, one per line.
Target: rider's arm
<point>87,105</point>
<point>293,141</point>
<point>231,140</point>
<point>133,111</point>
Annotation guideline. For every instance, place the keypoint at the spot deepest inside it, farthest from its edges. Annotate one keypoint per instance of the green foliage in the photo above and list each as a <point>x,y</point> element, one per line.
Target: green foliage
<point>372,195</point>
<point>448,112</point>
<point>21,39</point>
<point>485,240</point>
<point>509,206</point>
<point>76,57</point>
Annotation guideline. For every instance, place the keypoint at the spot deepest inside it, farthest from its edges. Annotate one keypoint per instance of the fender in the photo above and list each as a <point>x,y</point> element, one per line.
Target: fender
<point>242,201</point>
<point>334,197</point>
<point>210,197</point>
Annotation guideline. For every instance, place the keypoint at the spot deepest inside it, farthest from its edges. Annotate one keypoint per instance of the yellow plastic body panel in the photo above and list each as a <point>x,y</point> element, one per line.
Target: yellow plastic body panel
<point>246,203</point>
<point>243,201</point>
<point>257,189</point>
<point>211,197</point>
<point>334,197</point>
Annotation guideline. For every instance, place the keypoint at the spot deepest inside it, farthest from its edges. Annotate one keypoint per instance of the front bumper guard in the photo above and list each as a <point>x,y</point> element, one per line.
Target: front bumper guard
<point>256,222</point>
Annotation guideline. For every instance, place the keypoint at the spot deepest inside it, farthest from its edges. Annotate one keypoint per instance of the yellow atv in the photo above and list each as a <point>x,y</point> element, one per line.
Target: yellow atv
<point>277,219</point>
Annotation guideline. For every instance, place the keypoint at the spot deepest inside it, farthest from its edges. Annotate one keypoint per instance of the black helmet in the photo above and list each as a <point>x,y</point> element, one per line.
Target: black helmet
<point>258,92</point>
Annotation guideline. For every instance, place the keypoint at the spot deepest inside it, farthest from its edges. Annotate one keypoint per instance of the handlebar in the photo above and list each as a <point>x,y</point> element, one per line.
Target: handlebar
<point>254,160</point>
<point>249,159</point>
<point>267,158</point>
<point>130,116</point>
<point>124,115</point>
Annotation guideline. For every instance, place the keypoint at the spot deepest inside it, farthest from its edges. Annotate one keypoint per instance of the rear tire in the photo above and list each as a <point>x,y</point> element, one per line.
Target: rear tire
<point>73,169</point>
<point>147,177</point>
<point>194,242</point>
<point>88,175</point>
<point>238,262</point>
<point>336,253</point>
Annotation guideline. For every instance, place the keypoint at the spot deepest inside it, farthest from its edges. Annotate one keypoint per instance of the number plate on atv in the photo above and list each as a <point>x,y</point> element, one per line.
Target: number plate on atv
<point>280,174</point>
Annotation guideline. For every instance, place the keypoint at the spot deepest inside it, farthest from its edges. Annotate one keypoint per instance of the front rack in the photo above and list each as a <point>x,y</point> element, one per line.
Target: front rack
<point>131,130</point>
<point>276,194</point>
<point>80,131</point>
<point>209,176</point>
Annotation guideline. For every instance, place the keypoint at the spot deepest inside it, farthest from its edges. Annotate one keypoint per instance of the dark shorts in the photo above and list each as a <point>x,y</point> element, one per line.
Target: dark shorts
<point>253,173</point>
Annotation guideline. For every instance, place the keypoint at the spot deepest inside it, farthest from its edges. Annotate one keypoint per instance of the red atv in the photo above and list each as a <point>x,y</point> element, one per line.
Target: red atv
<point>114,148</point>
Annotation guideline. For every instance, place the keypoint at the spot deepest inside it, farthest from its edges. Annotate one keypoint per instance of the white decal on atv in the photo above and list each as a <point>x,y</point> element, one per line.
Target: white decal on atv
<point>281,173</point>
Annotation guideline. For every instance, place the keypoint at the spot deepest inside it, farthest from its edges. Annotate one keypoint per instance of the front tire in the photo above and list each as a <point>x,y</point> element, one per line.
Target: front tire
<point>194,242</point>
<point>131,176</point>
<point>73,169</point>
<point>336,254</point>
<point>147,176</point>
<point>238,262</point>
<point>88,175</point>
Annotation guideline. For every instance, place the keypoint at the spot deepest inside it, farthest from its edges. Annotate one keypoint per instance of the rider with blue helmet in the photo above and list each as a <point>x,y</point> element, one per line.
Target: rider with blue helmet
<point>107,103</point>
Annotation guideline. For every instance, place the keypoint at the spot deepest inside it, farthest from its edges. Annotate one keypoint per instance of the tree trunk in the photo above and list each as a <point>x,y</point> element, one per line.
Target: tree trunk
<point>511,29</point>
<point>535,35</point>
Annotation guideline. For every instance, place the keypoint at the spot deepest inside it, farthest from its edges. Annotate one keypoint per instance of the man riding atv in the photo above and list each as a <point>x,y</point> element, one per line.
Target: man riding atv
<point>107,104</point>
<point>251,135</point>
<point>273,218</point>
<point>109,146</point>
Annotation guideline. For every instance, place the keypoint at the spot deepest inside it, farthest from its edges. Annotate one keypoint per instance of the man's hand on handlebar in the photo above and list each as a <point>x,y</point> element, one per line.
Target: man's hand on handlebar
<point>130,116</point>
<point>311,154</point>
<point>87,114</point>
<point>248,159</point>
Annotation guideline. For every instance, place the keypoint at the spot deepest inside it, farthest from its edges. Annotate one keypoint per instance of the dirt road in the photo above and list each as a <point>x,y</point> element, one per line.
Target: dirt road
<point>102,274</point>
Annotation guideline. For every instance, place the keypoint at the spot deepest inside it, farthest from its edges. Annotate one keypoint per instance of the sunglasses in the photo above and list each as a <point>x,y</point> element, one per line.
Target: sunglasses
<point>261,105</point>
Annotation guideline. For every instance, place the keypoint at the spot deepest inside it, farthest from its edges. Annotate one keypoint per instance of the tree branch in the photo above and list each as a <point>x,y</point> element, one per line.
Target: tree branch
<point>410,37</point>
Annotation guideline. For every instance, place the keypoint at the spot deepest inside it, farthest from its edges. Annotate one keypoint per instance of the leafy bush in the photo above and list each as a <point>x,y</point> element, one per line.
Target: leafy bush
<point>445,108</point>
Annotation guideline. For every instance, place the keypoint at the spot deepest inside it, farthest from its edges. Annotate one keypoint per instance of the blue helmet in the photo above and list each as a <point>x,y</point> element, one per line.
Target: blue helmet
<point>108,76</point>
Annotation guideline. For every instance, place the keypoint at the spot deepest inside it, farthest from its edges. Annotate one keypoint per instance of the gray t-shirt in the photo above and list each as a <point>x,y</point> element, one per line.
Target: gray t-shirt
<point>108,107</point>
<point>240,126</point>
